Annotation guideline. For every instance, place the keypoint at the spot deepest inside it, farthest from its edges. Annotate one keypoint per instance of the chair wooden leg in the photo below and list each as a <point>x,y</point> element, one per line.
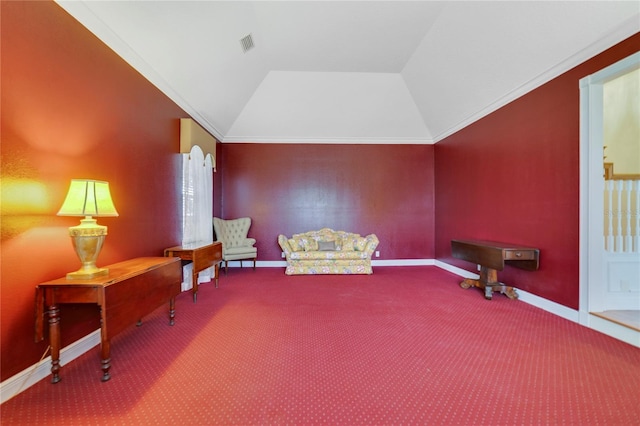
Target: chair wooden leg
<point>226,267</point>
<point>254,263</point>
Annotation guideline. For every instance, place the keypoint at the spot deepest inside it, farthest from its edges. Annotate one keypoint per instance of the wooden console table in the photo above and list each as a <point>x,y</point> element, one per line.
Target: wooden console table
<point>132,289</point>
<point>492,257</point>
<point>203,257</point>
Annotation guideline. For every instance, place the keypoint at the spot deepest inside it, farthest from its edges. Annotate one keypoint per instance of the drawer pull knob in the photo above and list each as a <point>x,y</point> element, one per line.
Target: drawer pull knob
<point>518,254</point>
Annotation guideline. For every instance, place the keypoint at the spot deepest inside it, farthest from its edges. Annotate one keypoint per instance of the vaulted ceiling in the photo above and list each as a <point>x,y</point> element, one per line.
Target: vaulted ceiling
<point>351,71</point>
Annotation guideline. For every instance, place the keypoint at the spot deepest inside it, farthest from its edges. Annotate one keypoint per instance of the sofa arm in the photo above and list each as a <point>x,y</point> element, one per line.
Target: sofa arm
<point>283,241</point>
<point>372,243</point>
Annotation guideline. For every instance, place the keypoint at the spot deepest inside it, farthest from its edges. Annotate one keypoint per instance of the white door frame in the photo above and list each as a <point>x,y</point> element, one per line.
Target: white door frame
<point>591,195</point>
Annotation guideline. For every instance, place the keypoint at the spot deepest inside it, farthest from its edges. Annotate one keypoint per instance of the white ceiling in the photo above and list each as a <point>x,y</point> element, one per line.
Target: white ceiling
<point>351,71</point>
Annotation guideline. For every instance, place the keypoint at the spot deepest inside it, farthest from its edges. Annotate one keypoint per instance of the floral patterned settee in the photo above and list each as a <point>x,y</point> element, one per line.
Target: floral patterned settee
<point>328,252</point>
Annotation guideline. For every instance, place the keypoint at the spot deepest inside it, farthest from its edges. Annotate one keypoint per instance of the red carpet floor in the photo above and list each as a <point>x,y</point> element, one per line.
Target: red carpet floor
<point>405,345</point>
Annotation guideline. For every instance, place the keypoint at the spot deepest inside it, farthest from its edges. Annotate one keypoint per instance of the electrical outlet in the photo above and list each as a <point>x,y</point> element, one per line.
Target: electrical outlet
<point>377,253</point>
<point>282,255</point>
<point>479,267</point>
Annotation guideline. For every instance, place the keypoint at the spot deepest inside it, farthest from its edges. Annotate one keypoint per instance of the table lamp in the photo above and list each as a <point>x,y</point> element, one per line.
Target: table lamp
<point>88,198</point>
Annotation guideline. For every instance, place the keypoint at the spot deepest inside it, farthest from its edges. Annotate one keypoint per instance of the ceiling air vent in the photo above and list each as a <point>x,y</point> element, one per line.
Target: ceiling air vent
<point>246,42</point>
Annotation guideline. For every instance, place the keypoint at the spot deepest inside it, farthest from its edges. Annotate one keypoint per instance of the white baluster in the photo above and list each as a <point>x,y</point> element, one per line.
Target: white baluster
<point>618,214</point>
<point>636,236</point>
<point>608,216</point>
<point>627,233</point>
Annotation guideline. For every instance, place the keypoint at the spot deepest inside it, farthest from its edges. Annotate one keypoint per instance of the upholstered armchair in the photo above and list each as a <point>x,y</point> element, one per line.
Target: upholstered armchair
<point>235,244</point>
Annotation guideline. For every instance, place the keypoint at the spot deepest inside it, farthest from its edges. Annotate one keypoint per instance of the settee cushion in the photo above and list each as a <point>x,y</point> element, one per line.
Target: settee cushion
<point>326,245</point>
<point>347,244</point>
<point>360,243</point>
<point>310,244</point>
<point>353,242</point>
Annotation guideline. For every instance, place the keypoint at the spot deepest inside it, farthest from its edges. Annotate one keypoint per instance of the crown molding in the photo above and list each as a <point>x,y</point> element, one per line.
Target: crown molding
<point>628,28</point>
<point>365,140</point>
<point>81,12</point>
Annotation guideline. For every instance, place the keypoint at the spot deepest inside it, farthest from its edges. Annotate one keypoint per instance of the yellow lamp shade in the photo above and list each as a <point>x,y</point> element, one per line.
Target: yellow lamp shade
<point>88,197</point>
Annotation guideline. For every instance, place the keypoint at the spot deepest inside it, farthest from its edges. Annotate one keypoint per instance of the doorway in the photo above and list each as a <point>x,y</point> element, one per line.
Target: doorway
<point>609,299</point>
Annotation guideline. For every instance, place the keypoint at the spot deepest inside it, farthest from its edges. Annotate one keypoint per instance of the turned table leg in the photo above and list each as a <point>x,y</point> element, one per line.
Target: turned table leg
<point>172,311</point>
<point>216,268</point>
<point>54,339</point>
<point>105,347</point>
<point>194,280</point>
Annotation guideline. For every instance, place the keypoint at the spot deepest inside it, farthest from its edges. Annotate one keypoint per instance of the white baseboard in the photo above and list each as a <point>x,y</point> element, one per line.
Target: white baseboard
<point>549,306</point>
<point>532,299</point>
<point>265,264</point>
<point>524,296</point>
<point>23,380</point>
<point>32,375</point>
<point>455,270</point>
<point>601,325</point>
<point>403,262</point>
<point>374,262</point>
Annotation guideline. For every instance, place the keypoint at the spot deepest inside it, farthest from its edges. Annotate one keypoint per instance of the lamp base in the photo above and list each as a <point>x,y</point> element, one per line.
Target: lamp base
<point>83,274</point>
<point>87,239</point>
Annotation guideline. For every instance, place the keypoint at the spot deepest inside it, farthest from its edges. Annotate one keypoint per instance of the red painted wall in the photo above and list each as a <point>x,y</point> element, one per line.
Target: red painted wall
<point>71,108</point>
<point>290,188</point>
<point>513,176</point>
